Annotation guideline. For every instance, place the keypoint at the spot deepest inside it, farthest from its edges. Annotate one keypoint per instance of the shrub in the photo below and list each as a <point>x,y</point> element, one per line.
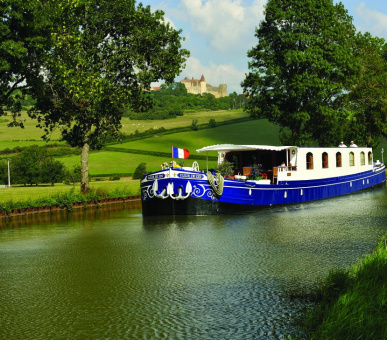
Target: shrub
<point>255,173</point>
<point>194,125</point>
<point>102,192</point>
<point>140,171</point>
<point>212,123</point>
<point>226,169</point>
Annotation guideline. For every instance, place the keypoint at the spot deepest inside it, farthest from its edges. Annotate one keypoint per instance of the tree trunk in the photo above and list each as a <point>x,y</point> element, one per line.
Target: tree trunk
<point>85,188</point>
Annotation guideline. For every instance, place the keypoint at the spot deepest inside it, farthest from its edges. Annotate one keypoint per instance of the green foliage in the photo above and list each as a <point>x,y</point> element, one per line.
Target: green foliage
<point>25,31</point>
<point>26,167</point>
<point>194,125</point>
<point>52,150</point>
<point>73,176</point>
<point>3,172</point>
<point>353,303</point>
<point>34,165</point>
<point>8,151</point>
<point>368,99</point>
<point>140,171</point>
<point>212,123</point>
<point>99,64</point>
<point>226,169</point>
<point>145,133</point>
<point>67,199</point>
<point>302,68</point>
<point>256,173</point>
<point>52,171</point>
<point>172,100</point>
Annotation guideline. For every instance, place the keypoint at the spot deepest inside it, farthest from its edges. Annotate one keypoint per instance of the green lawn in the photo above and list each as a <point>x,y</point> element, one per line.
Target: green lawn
<point>29,133</point>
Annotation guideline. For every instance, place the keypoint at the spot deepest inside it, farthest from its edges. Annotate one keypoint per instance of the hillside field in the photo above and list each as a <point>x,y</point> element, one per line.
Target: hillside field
<point>111,162</point>
<point>250,132</point>
<point>30,134</point>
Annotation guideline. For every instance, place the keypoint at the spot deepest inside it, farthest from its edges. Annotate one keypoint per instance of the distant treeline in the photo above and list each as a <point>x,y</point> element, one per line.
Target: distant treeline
<point>53,150</point>
<point>173,100</point>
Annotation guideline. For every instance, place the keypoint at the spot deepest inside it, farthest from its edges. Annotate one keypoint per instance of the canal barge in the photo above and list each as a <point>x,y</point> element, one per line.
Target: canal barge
<point>261,176</point>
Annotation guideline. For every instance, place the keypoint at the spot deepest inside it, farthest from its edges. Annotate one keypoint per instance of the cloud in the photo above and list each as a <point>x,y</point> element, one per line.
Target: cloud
<point>371,21</point>
<point>214,74</point>
<point>218,33</point>
<point>170,22</point>
<point>225,25</point>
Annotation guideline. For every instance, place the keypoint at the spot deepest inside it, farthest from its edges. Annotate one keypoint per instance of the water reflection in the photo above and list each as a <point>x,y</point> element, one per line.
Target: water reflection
<point>110,273</point>
<point>102,212</point>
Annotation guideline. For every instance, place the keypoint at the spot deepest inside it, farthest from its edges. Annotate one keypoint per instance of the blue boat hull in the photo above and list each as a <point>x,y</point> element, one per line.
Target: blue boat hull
<point>243,197</point>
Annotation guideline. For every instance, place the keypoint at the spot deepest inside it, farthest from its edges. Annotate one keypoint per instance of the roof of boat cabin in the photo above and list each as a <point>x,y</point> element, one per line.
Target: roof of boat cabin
<point>236,147</point>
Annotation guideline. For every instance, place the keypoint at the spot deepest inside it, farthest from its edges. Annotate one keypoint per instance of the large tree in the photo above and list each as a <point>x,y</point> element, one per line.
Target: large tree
<point>368,97</point>
<point>105,55</point>
<point>24,39</point>
<point>301,69</point>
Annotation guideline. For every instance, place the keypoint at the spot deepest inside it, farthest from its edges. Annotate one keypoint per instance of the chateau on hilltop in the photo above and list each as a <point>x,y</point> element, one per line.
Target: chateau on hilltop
<point>196,86</point>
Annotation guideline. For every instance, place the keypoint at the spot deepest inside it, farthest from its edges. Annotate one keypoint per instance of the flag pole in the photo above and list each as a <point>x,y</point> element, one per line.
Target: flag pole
<point>171,155</point>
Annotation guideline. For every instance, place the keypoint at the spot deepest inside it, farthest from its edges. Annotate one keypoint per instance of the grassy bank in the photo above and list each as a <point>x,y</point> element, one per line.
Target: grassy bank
<point>22,193</point>
<point>352,303</point>
<point>20,197</point>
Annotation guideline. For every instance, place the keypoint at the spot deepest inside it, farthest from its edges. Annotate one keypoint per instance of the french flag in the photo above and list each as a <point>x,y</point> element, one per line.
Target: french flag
<point>179,153</point>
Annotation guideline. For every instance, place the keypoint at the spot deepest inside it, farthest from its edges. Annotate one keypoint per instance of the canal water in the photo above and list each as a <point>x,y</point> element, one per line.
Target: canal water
<point>110,273</point>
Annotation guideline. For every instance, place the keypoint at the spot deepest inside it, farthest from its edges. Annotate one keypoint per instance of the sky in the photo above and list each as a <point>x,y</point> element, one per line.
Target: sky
<point>218,33</point>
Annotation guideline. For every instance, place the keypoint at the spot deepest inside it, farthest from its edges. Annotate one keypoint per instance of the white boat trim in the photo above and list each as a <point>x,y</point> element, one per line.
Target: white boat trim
<point>234,147</point>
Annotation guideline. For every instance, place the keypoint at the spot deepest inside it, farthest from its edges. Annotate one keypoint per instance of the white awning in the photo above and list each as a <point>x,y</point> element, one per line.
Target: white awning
<point>234,147</point>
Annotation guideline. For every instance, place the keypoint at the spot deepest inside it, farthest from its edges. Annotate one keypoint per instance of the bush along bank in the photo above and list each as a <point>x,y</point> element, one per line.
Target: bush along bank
<point>352,303</point>
<point>66,201</point>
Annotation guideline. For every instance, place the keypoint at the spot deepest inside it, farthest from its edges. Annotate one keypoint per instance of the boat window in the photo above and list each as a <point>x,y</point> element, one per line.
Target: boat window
<point>369,158</point>
<point>362,158</point>
<point>309,160</point>
<point>324,160</point>
<point>351,159</point>
<point>338,159</point>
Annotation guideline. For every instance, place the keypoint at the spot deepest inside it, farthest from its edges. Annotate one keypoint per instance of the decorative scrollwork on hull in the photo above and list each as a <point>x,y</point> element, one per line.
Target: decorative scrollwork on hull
<point>200,190</point>
<point>168,191</point>
<point>146,193</point>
